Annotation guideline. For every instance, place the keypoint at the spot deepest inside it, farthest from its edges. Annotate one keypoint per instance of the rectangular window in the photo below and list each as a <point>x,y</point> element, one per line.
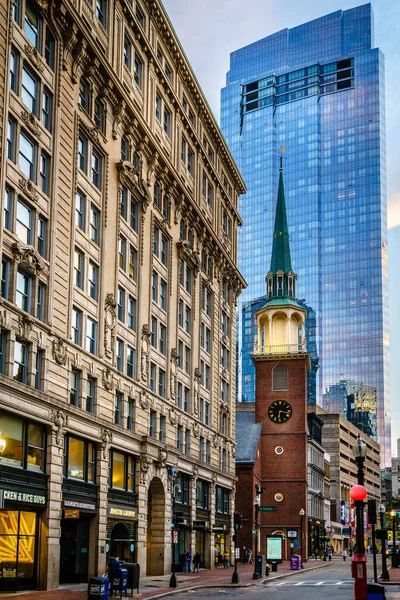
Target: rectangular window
<point>76,326</point>
<point>180,313</point>
<point>130,362</point>
<point>78,268</point>
<point>188,319</point>
<point>29,91</point>
<point>121,304</point>
<point>80,460</point>
<point>39,367</point>
<point>7,208</point>
<point>163,294</point>
<point>162,431</point>
<point>5,277</point>
<point>119,355</point>
<point>207,413</point>
<point>11,129</point>
<point>187,360</point>
<point>154,286</point>
<point>90,394</point>
<point>131,414</point>
<point>161,383</point>
<point>23,291</point>
<point>47,100</point>
<point>99,114</point>
<point>158,108</point>
<point>41,301</point>
<point>84,94</point>
<point>118,408</point>
<point>123,205</point>
<point>153,373</point>
<point>179,435</point>
<point>127,54</point>
<point>179,396</point>
<point>187,442</point>
<point>91,336</point>
<point>132,313</point>
<point>24,223</point>
<point>156,241</point>
<point>134,214</point>
<point>140,17</point>
<point>167,121</point>
<point>133,263</point>
<point>82,153</point>
<point>163,339</point>
<point>188,279</point>
<point>14,59</point>
<point>101,8</point>
<point>164,250</point>
<point>27,156</point>
<point>42,236</point>
<point>122,253</point>
<point>44,172</point>
<point>124,148</point>
<point>186,400</point>
<point>93,280</point>
<point>137,71</point>
<point>154,332</point>
<point>94,224</point>
<point>75,385</point>
<point>152,424</point>
<point>96,169</point>
<point>80,206</point>
<point>49,48</point>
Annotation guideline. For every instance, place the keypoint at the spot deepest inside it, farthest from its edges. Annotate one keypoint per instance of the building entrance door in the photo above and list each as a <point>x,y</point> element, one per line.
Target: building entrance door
<point>74,557</point>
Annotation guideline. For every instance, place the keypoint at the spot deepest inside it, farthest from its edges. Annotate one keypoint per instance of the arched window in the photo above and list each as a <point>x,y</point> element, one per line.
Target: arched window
<point>279,378</point>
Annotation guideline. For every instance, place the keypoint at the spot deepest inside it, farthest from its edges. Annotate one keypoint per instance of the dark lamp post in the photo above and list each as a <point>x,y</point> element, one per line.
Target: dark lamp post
<point>385,573</point>
<point>302,512</point>
<point>358,493</point>
<point>256,574</point>
<point>175,490</point>
<point>393,514</point>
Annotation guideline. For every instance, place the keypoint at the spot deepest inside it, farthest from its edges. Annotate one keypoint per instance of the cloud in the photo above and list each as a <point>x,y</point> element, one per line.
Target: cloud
<point>394,211</point>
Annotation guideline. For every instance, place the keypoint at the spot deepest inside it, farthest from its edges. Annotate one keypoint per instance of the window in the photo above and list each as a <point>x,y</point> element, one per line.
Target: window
<point>186,399</point>
<point>21,353</point>
<point>84,94</point>
<point>23,291</point>
<point>122,253</point>
<point>140,17</point>
<point>101,7</point>
<point>99,114</point>
<point>179,437</point>
<point>118,408</point>
<point>76,326</point>
<point>93,278</point>
<point>78,268</point>
<point>27,156</point>
<point>153,374</point>
<point>187,442</point>
<point>47,100</point>
<point>161,383</point>
<point>224,391</point>
<point>132,313</point>
<point>41,301</point>
<point>167,121</point>
<point>223,459</point>
<point>121,304</point>
<point>279,378</point>
<point>11,133</point>
<point>157,195</point>
<point>222,500</point>
<point>32,26</point>
<point>163,294</point>
<point>154,332</point>
<point>24,222</point>
<point>127,55</point>
<point>7,208</point>
<point>123,205</point>
<point>134,214</point>
<point>82,153</point>
<point>207,413</point>
<point>137,70</point>
<point>80,205</point>
<point>180,313</point>
<point>162,431</point>
<point>29,91</point>
<point>25,443</point>
<point>124,148</point>
<point>119,354</point>
<point>160,245</point>
<point>80,459</point>
<point>179,396</point>
<point>94,223</point>
<point>130,362</point>
<point>152,424</point>
<point>75,385</point>
<point>185,276</point>
<point>122,471</point>
<point>202,491</point>
<point>5,277</point>
<point>225,323</point>
<point>154,286</point>
<point>187,360</point>
<point>90,394</point>
<point>207,190</point>
<point>187,156</point>
<point>14,60</point>
<point>158,107</point>
<point>226,224</point>
<point>163,339</point>
<point>163,114</point>
<point>133,263</point>
<point>96,169</point>
<point>188,319</point>
<point>206,301</point>
<point>91,336</point>
<point>131,414</point>
<point>44,172</point>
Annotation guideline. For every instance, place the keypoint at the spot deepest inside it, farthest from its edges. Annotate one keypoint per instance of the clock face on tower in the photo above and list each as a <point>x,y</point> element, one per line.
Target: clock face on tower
<point>280,411</point>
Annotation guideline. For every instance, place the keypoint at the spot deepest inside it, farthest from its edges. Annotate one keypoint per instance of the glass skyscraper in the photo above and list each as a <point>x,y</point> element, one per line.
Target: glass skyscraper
<point>318,91</point>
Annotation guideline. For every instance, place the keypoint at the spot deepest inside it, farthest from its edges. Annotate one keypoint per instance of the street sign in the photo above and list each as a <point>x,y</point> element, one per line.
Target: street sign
<point>267,508</point>
<point>175,538</point>
<point>237,552</point>
<point>254,532</point>
<point>292,534</point>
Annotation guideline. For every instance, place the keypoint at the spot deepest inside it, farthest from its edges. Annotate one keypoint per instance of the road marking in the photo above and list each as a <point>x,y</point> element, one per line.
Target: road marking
<point>320,583</point>
<point>283,583</point>
<point>300,583</point>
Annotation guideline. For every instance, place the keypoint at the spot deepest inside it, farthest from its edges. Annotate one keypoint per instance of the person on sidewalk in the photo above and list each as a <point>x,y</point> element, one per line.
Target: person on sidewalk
<point>344,555</point>
<point>250,557</point>
<point>196,562</point>
<point>188,561</point>
<point>183,562</point>
<point>226,560</point>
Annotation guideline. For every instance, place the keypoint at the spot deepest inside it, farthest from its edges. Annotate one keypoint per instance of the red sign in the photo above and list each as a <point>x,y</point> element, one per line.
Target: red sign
<point>175,537</point>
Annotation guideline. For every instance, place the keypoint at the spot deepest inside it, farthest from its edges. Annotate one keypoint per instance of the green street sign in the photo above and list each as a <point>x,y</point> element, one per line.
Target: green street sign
<point>267,508</point>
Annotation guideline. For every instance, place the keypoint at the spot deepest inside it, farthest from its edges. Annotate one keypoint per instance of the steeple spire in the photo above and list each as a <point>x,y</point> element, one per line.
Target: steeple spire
<point>281,279</point>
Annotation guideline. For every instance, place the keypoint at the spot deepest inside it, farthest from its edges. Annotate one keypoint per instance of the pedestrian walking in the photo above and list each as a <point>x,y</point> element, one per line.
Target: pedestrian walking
<point>344,555</point>
<point>250,557</point>
<point>196,562</point>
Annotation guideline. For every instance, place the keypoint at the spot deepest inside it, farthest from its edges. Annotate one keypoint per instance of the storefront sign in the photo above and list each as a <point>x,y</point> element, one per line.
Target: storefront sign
<point>292,534</point>
<point>71,513</point>
<point>199,525</point>
<point>26,498</point>
<point>274,548</point>
<point>125,513</point>
<point>219,528</point>
<point>80,505</point>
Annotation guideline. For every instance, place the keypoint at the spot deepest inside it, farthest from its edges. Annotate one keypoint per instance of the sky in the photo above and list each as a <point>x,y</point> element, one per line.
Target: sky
<point>209,30</point>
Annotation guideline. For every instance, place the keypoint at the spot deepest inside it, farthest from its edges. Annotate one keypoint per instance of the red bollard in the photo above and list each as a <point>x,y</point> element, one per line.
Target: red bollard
<point>359,574</point>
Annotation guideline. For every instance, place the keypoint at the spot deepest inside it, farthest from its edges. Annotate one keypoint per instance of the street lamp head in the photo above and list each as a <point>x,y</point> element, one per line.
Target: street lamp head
<point>359,448</point>
<point>382,509</point>
<point>257,500</point>
<point>393,513</point>
<point>358,492</point>
<point>302,512</point>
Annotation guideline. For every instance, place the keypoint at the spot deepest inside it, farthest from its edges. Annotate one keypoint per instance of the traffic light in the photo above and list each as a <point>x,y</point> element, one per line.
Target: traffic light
<point>238,520</point>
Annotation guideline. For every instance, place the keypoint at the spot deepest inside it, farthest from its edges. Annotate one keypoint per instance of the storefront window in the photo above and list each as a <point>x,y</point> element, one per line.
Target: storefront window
<point>80,460</point>
<point>17,544</point>
<point>183,482</point>
<point>122,471</point>
<point>25,443</point>
<point>222,500</point>
<point>202,494</point>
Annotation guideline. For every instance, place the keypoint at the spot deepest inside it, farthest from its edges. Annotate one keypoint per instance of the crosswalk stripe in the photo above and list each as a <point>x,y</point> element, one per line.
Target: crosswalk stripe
<point>320,583</point>
<point>300,583</point>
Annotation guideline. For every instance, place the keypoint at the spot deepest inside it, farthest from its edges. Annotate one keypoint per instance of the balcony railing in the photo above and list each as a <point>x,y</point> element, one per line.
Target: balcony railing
<point>282,349</point>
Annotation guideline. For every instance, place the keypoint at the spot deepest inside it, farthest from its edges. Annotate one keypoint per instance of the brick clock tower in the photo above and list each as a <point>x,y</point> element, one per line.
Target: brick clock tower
<point>282,362</point>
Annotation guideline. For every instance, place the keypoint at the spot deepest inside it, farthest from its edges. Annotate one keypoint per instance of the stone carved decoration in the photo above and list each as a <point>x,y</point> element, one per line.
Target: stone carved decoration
<point>173,417</point>
<point>30,121</point>
<point>78,54</point>
<point>106,439</point>
<point>187,252</point>
<point>196,429</point>
<point>162,457</point>
<point>34,57</point>
<point>93,133</point>
<point>196,398</point>
<point>145,463</point>
<point>59,351</point>
<point>70,38</point>
<point>60,421</point>
<point>178,208</point>
<point>195,471</point>
<point>27,186</point>
<point>28,259</point>
<point>119,113</point>
<point>110,317</point>
<point>130,177</point>
<point>214,478</point>
<point>215,440</point>
<point>25,324</point>
<point>174,369</point>
<point>108,380</point>
<point>145,349</point>
<point>143,400</point>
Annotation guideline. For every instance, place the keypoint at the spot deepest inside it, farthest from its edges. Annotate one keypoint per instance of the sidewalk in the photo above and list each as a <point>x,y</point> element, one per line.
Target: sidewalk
<point>155,587</point>
<point>394,574</point>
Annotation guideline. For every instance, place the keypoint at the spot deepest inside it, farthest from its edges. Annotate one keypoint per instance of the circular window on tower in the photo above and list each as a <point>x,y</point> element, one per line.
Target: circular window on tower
<point>279,450</point>
<point>278,497</point>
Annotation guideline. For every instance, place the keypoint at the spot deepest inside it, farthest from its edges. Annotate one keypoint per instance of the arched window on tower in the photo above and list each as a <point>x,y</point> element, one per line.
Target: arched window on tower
<point>280,285</point>
<point>279,378</point>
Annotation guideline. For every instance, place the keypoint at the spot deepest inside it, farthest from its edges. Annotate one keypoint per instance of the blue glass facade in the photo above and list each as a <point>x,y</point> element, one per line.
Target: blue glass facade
<point>318,90</point>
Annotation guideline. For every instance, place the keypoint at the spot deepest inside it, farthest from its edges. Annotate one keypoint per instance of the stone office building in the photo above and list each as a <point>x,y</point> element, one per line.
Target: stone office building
<point>118,292</point>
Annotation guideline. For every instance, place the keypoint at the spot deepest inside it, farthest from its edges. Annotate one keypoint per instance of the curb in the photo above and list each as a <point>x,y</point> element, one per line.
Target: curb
<point>235,585</point>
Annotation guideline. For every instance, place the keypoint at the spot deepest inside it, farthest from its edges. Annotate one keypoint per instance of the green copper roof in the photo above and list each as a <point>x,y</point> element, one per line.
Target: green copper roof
<point>282,302</point>
<point>280,258</point>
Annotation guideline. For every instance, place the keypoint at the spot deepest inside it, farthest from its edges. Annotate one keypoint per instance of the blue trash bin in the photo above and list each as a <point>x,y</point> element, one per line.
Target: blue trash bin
<point>106,582</point>
<point>295,562</point>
